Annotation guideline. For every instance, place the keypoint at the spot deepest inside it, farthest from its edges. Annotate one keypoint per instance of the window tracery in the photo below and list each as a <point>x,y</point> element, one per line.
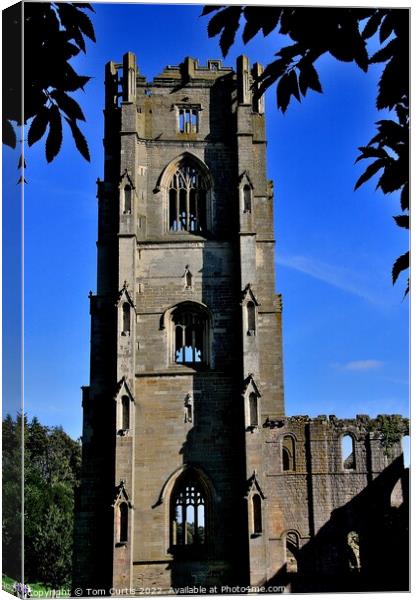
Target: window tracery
<point>190,335</point>
<point>188,518</point>
<point>187,200</point>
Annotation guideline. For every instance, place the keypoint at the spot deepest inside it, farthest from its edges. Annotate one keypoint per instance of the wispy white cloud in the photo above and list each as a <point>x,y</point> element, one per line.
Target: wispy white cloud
<point>337,276</point>
<point>361,365</point>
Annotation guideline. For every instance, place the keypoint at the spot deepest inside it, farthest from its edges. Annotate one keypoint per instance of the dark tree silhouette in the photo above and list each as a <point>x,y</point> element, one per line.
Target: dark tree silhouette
<point>54,32</point>
<point>343,33</point>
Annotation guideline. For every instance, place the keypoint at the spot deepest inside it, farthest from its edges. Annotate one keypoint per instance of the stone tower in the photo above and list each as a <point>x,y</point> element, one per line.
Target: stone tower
<point>185,332</point>
<point>192,475</point>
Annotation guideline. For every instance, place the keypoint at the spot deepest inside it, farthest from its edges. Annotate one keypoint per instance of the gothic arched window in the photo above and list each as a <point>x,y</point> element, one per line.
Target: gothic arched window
<point>254,416</point>
<point>247,198</point>
<point>127,200</point>
<point>188,200</point>
<point>257,517</point>
<point>292,551</point>
<point>125,413</point>
<point>123,522</point>
<point>188,508</point>
<point>251,318</point>
<point>190,335</point>
<point>288,454</point>
<point>348,453</point>
<point>126,318</point>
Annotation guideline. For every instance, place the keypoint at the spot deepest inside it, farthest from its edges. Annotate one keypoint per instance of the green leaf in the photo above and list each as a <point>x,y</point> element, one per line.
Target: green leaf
<point>372,24</point>
<point>370,152</point>
<point>9,134</point>
<point>38,126</point>
<point>79,139</point>
<point>283,92</point>
<point>75,83</point>
<point>85,25</point>
<point>401,264</point>
<point>208,9</point>
<point>294,85</point>
<point>68,105</point>
<point>369,172</point>
<point>73,18</point>
<point>308,78</point>
<point>385,53</point>
<point>402,221</point>
<point>272,19</point>
<point>227,22</point>
<point>259,17</point>
<point>54,139</point>
<point>254,22</point>
<point>386,27</point>
<point>83,5</point>
<point>392,177</point>
<point>404,197</point>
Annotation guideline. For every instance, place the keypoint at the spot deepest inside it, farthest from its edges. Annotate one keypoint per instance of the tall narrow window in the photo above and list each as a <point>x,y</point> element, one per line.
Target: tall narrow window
<point>353,549</point>
<point>127,200</point>
<point>348,453</point>
<point>251,318</point>
<point>188,408</point>
<point>124,522</point>
<point>125,413</point>
<point>257,518</point>
<point>247,198</point>
<point>187,200</point>
<point>188,518</point>
<point>288,453</point>
<point>126,318</point>
<point>292,551</point>
<point>188,120</point>
<point>190,335</point>
<point>254,418</point>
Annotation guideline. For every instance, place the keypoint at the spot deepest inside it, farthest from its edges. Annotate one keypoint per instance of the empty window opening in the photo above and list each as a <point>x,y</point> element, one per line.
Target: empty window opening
<point>353,550</point>
<point>125,413</point>
<point>288,453</point>
<point>251,318</point>
<point>247,198</point>
<point>187,201</point>
<point>348,453</point>
<point>127,200</point>
<point>188,120</point>
<point>254,418</point>
<point>124,522</point>
<point>126,318</point>
<point>396,496</point>
<point>292,551</point>
<point>190,329</point>
<point>188,524</point>
<point>188,409</point>
<point>257,517</point>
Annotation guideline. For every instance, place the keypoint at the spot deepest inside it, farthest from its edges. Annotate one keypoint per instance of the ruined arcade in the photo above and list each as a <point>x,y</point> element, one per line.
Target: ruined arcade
<point>192,473</point>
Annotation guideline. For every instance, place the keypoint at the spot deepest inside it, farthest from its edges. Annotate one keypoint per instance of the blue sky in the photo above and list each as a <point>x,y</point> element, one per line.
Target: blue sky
<point>345,326</point>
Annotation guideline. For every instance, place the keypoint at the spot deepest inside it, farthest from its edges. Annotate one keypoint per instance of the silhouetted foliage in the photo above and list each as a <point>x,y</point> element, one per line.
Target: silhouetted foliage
<point>343,33</point>
<point>52,462</point>
<point>54,33</point>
